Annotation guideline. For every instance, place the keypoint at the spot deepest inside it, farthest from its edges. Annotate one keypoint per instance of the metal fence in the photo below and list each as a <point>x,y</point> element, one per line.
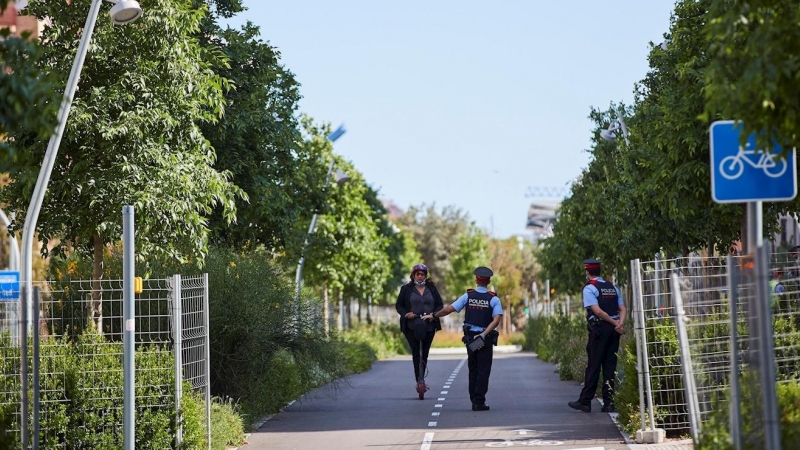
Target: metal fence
<point>705,286</point>
<point>172,348</point>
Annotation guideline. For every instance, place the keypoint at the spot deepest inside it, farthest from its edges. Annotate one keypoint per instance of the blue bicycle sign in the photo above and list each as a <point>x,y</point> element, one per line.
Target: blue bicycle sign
<point>746,173</point>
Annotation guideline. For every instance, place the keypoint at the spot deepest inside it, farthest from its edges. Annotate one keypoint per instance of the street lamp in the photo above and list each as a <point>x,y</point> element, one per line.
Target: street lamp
<point>124,11</point>
<point>341,178</point>
<point>610,133</point>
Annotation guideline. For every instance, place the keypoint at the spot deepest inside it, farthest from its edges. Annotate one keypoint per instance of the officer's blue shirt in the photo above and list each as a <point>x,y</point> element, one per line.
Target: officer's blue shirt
<point>591,294</point>
<point>497,308</point>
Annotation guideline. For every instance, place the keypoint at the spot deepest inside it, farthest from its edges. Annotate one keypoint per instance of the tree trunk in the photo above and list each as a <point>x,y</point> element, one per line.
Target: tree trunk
<point>96,304</point>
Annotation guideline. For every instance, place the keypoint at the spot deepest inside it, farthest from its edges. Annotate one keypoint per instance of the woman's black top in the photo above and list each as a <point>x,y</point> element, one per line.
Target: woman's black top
<point>409,300</point>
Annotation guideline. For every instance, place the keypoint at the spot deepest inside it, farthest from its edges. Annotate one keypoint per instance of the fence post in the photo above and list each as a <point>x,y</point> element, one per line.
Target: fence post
<point>735,406</point>
<point>207,331</point>
<point>23,350</point>
<point>637,329</point>
<point>766,351</point>
<point>548,300</point>
<point>686,360</point>
<point>177,337</point>
<point>653,435</point>
<point>36,366</point>
<point>129,333</point>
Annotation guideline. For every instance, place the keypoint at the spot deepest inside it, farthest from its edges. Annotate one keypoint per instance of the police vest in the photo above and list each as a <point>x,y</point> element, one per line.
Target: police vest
<point>479,308</point>
<point>608,299</point>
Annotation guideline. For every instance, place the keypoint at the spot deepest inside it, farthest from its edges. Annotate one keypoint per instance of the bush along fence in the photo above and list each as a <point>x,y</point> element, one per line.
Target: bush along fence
<point>692,312</point>
<point>75,373</point>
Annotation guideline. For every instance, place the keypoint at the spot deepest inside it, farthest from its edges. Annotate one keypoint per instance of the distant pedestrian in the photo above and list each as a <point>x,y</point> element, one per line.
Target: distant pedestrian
<point>605,316</point>
<point>419,297</point>
<point>481,319</point>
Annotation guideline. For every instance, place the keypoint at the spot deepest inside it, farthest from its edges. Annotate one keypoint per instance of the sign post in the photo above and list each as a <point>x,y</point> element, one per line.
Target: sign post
<point>746,174</point>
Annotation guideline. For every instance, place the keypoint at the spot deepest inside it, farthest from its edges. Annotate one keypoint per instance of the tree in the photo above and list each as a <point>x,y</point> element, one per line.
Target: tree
<point>437,237</point>
<point>752,77</point>
<point>401,249</point>
<point>471,251</point>
<point>259,141</point>
<point>347,252</point>
<point>133,137</point>
<point>30,100</point>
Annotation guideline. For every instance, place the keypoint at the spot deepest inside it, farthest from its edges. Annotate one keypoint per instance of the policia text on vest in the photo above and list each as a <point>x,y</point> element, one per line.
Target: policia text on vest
<point>481,318</point>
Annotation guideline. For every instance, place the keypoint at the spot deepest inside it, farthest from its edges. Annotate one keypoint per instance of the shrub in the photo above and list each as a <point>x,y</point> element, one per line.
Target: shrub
<point>227,427</point>
<point>715,434</point>
<point>386,340</point>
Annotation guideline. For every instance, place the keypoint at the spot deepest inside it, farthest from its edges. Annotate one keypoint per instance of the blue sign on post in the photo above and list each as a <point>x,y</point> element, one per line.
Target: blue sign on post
<point>745,174</point>
<point>9,285</point>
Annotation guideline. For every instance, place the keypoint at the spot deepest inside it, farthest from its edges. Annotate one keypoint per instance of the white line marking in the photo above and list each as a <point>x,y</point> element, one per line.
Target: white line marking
<point>435,414</point>
<point>426,441</point>
<point>431,424</point>
<point>440,399</point>
<point>443,392</point>
<point>438,405</point>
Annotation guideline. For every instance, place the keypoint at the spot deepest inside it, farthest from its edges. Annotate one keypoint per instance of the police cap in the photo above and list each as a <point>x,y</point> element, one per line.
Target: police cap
<point>483,272</point>
<point>591,263</point>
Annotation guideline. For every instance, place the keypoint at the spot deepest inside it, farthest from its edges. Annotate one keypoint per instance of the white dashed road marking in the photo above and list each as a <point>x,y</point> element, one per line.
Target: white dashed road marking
<point>426,441</point>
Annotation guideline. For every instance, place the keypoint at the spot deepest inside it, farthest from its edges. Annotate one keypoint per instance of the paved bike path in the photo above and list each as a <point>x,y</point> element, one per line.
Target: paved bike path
<point>380,409</point>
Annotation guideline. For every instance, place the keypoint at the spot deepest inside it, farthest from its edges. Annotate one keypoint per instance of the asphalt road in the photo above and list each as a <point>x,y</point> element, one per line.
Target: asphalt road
<point>380,409</point>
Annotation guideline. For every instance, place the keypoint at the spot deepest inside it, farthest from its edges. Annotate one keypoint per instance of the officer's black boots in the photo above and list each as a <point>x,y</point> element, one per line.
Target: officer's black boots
<point>480,407</point>
<point>580,406</point>
<point>608,408</point>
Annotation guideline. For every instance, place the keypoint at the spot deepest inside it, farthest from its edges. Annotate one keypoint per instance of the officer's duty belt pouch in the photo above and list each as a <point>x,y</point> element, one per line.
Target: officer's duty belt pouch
<point>476,344</point>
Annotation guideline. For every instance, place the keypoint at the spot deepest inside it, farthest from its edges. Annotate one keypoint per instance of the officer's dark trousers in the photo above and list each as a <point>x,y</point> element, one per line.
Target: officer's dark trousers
<point>415,344</point>
<point>480,367</point>
<point>602,352</point>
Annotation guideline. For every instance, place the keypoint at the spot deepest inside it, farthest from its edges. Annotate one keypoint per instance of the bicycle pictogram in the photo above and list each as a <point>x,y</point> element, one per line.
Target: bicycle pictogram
<point>732,167</point>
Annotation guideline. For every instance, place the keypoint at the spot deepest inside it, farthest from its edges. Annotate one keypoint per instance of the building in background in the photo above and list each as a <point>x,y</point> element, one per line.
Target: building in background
<point>541,218</point>
<point>19,24</point>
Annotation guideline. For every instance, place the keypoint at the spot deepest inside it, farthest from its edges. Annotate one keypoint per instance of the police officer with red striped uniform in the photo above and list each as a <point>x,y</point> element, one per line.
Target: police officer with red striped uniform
<point>483,315</point>
<point>605,315</point>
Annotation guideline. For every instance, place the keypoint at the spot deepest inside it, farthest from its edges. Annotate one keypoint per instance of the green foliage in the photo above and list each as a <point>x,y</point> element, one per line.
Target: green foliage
<point>652,193</point>
<point>471,251</point>
<point>386,340</point>
<point>256,339</point>
<point>715,432</point>
<point>227,427</point>
<point>81,386</point>
<point>193,418</point>
<point>30,100</point>
<point>358,356</point>
<point>560,340</point>
<point>133,135</point>
<point>626,397</point>
<point>437,236</point>
<point>754,65</point>
<point>258,141</point>
<point>347,252</point>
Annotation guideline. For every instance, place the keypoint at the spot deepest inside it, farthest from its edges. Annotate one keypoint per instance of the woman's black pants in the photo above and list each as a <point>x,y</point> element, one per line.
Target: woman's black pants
<point>415,345</point>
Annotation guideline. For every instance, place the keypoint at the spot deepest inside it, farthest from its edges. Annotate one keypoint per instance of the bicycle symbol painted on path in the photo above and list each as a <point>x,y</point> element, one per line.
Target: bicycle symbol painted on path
<point>732,167</point>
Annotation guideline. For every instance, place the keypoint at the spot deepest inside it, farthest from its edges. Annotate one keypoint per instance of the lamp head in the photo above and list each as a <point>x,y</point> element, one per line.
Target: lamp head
<point>341,177</point>
<point>608,135</point>
<point>125,11</point>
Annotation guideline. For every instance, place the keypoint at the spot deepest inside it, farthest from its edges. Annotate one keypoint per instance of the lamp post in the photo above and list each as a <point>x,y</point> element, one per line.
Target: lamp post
<point>123,11</point>
<point>341,178</point>
<point>610,133</point>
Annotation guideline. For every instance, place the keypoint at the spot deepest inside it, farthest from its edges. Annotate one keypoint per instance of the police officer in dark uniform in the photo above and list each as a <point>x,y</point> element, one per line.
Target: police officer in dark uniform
<point>605,315</point>
<point>483,315</point>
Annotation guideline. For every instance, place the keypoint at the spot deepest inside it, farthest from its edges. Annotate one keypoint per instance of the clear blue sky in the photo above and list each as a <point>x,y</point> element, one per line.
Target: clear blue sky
<point>463,102</point>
